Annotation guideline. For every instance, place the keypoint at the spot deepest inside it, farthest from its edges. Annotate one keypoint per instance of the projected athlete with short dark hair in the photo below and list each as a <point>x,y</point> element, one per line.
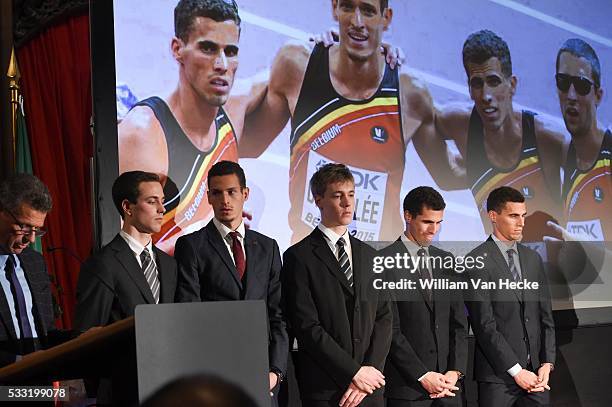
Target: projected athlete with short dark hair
<point>587,187</point>
<point>346,105</point>
<point>181,137</point>
<point>499,145</point>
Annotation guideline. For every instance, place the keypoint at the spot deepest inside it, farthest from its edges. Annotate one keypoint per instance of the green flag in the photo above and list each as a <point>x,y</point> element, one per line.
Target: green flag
<point>23,159</point>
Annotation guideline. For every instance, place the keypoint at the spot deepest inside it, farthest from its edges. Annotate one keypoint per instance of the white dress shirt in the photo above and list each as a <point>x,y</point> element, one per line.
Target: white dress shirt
<point>224,231</point>
<point>332,238</point>
<point>137,247</point>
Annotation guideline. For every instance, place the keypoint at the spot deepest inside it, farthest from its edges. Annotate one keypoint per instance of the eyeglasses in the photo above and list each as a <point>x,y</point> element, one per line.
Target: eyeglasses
<point>582,85</point>
<point>27,230</point>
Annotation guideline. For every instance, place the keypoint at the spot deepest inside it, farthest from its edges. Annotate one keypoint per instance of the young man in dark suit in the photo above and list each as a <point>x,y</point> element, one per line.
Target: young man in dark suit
<point>514,327</point>
<point>26,307</point>
<point>128,271</point>
<point>429,348</point>
<point>343,336</point>
<point>224,261</point>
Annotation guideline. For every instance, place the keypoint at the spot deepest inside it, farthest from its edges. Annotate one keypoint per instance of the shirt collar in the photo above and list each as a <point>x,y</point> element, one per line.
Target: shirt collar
<point>412,246</point>
<point>135,245</point>
<point>224,230</point>
<point>504,246</point>
<point>332,236</point>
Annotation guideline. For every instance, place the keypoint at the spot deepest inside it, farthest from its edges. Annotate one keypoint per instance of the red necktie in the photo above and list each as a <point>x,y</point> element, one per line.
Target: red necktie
<point>238,254</point>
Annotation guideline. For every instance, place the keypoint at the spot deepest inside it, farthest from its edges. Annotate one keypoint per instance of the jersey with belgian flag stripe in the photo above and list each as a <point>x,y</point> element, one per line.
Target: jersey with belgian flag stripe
<point>365,135</point>
<point>587,195</point>
<point>526,176</point>
<point>187,208</point>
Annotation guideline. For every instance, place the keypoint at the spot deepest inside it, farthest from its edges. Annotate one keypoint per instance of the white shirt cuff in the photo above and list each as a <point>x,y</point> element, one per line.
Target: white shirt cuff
<point>422,377</point>
<point>514,370</point>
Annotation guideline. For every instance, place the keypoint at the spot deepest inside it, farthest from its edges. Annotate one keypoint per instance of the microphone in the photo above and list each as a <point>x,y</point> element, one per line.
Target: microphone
<point>51,249</point>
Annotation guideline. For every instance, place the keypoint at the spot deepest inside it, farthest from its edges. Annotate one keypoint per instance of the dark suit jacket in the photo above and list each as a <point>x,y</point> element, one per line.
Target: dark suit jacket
<point>111,284</point>
<point>207,273</point>
<point>338,328</point>
<point>35,271</point>
<point>427,336</point>
<point>509,325</point>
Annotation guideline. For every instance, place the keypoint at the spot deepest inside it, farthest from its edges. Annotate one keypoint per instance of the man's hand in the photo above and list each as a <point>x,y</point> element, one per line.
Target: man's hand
<point>451,377</point>
<point>393,55</point>
<point>352,396</point>
<point>273,381</point>
<point>436,383</point>
<point>368,379</point>
<point>566,235</point>
<point>526,380</point>
<point>543,377</point>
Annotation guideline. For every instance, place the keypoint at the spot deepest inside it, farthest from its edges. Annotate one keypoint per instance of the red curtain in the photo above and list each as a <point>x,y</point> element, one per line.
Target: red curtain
<point>56,83</point>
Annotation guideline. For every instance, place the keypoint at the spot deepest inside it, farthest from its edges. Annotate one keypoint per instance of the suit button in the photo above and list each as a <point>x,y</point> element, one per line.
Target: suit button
<point>525,338</point>
<point>356,340</point>
<point>357,308</point>
<point>436,326</point>
<point>526,319</point>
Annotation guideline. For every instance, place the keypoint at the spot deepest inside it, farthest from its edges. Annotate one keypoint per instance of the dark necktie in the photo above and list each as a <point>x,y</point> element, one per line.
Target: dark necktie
<point>238,254</point>
<point>19,298</point>
<point>345,264</point>
<point>150,272</point>
<point>424,271</point>
<point>515,273</point>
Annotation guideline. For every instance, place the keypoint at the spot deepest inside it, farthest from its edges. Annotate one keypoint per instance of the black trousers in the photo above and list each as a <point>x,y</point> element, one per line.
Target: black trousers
<point>509,395</point>
<point>443,402</point>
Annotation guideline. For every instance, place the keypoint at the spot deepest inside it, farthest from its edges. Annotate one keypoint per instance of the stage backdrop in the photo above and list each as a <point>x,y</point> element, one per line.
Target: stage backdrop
<point>431,34</point>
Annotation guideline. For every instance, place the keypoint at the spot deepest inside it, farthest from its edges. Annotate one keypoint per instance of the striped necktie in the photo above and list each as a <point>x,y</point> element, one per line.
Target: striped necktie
<point>150,272</point>
<point>515,273</point>
<point>345,264</point>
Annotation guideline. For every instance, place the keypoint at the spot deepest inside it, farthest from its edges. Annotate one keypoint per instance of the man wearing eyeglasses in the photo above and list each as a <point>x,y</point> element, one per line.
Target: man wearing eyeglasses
<point>26,308</point>
<point>498,144</point>
<point>587,187</point>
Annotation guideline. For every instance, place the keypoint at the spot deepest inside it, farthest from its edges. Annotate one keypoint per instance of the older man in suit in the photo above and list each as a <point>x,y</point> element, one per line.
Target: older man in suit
<point>26,308</point>
<point>429,348</point>
<point>343,336</point>
<point>224,261</point>
<point>128,271</point>
<point>514,327</point>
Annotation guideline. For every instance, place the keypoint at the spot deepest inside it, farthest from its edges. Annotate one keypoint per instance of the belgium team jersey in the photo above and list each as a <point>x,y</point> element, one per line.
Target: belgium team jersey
<point>365,135</point>
<point>587,195</point>
<point>187,208</point>
<point>526,176</point>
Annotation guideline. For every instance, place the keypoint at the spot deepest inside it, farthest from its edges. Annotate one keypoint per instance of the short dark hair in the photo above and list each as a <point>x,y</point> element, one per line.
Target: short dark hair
<point>581,49</point>
<point>227,168</point>
<point>328,174</point>
<point>499,196</point>
<point>423,197</point>
<point>26,189</point>
<point>127,186</point>
<point>217,10</point>
<point>200,390</point>
<point>482,45</point>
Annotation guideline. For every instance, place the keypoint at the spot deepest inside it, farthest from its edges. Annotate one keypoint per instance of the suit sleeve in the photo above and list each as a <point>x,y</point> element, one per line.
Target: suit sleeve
<point>382,333</point>
<point>95,296</point>
<point>547,324</point>
<point>458,331</point>
<point>495,347</point>
<point>188,277</point>
<point>305,325</point>
<point>402,354</point>
<point>279,343</point>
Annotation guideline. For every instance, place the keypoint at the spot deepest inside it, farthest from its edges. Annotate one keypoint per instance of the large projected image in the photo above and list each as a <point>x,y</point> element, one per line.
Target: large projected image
<point>481,100</point>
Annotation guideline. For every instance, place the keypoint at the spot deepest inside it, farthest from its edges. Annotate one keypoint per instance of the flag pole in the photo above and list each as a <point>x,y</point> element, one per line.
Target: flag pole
<point>14,75</point>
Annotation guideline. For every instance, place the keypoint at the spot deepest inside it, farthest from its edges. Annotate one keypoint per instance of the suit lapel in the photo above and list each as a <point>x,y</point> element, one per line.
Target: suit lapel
<point>216,241</point>
<point>125,257</point>
<point>30,276</point>
<point>7,319</point>
<point>253,253</point>
<point>417,274</point>
<point>163,272</point>
<point>323,252</point>
<point>502,265</point>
